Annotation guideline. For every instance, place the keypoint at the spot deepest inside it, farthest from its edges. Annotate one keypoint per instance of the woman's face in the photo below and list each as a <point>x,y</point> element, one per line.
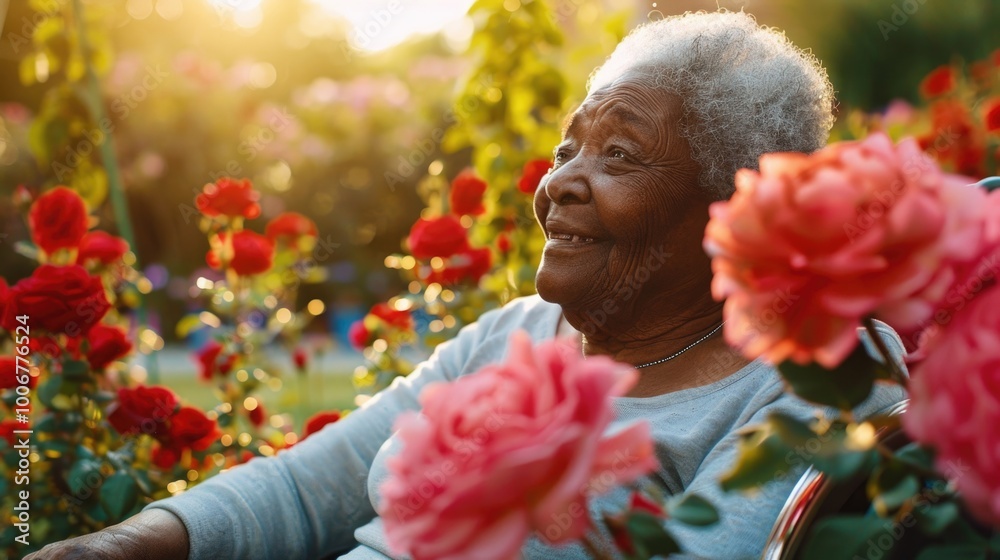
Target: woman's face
<point>621,210</point>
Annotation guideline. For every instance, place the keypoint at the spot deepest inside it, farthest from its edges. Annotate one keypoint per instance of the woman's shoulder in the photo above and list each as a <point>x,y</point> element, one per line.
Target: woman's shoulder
<point>532,314</point>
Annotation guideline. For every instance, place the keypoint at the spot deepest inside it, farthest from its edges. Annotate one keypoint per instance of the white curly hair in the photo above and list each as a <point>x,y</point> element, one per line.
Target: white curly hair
<point>746,89</point>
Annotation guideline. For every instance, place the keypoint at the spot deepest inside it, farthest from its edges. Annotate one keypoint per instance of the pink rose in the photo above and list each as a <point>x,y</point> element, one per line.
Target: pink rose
<point>508,450</point>
<point>954,396</point>
<point>812,244</point>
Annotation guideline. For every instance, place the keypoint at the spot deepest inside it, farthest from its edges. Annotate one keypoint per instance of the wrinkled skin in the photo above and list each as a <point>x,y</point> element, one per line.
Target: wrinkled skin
<point>151,535</point>
<point>624,176</point>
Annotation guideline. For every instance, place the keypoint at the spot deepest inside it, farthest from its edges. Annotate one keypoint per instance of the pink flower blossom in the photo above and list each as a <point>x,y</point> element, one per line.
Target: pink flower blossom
<point>509,450</point>
<point>811,244</point>
<point>955,403</point>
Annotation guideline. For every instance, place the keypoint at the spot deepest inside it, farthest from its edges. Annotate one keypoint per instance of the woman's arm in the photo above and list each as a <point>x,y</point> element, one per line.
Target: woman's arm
<point>305,502</point>
<point>155,534</point>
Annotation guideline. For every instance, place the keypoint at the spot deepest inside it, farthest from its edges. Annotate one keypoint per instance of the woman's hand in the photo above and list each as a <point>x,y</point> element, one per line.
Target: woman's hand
<point>152,535</point>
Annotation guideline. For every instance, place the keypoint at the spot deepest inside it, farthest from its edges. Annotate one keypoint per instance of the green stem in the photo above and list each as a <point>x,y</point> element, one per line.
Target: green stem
<point>116,189</point>
<point>895,373</point>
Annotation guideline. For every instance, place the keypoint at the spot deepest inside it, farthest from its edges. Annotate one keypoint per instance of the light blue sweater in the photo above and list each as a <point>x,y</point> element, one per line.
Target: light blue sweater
<point>316,499</point>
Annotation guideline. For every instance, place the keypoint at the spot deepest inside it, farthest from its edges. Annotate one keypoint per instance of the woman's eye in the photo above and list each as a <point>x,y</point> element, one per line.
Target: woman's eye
<point>561,155</point>
<point>617,153</point>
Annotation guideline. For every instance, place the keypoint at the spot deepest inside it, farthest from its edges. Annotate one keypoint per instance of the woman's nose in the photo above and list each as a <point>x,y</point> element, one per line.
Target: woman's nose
<point>569,183</point>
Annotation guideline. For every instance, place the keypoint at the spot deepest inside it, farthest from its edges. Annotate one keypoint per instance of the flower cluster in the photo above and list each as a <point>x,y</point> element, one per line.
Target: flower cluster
<point>812,247</point>
<point>90,425</point>
<point>251,306</point>
<point>957,123</point>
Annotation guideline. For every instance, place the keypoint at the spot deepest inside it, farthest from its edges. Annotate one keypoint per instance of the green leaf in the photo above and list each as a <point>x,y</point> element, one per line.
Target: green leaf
<point>890,488</point>
<point>916,455</point>
<point>49,389</point>
<point>649,537</point>
<point>96,511</point>
<point>840,463</point>
<point>840,537</point>
<point>75,369</point>
<point>954,552</point>
<point>693,510</point>
<point>83,475</point>
<point>762,457</point>
<point>118,495</point>
<point>935,518</point>
<point>843,387</point>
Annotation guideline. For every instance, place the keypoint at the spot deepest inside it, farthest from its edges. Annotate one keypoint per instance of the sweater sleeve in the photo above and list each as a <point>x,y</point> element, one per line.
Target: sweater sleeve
<point>306,501</point>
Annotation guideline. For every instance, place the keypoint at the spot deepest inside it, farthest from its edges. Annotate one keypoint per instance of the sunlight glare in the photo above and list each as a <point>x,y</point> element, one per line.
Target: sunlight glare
<point>382,24</point>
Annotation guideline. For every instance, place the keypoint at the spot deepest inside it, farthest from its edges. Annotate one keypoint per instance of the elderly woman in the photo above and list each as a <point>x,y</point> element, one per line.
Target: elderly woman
<point>669,118</point>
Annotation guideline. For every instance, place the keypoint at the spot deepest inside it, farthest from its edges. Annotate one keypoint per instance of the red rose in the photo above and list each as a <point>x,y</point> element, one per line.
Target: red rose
<point>58,220</point>
<point>532,175</point>
<point>503,243</point>
<point>437,237</point>
<point>290,226</point>
<point>165,457</point>
<point>466,196</point>
<point>143,410</point>
<point>4,294</point>
<point>257,415</point>
<point>107,344</point>
<point>318,420</point>
<point>57,299</point>
<point>252,253</point>
<point>939,82</point>
<point>469,266</point>
<point>209,360</point>
<point>52,348</point>
<point>619,525</point>
<point>9,374</point>
<point>301,359</point>
<point>359,335</point>
<point>399,319</point>
<point>101,247</point>
<point>993,115</point>
<point>190,429</point>
<point>7,434</point>
<point>229,197</point>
